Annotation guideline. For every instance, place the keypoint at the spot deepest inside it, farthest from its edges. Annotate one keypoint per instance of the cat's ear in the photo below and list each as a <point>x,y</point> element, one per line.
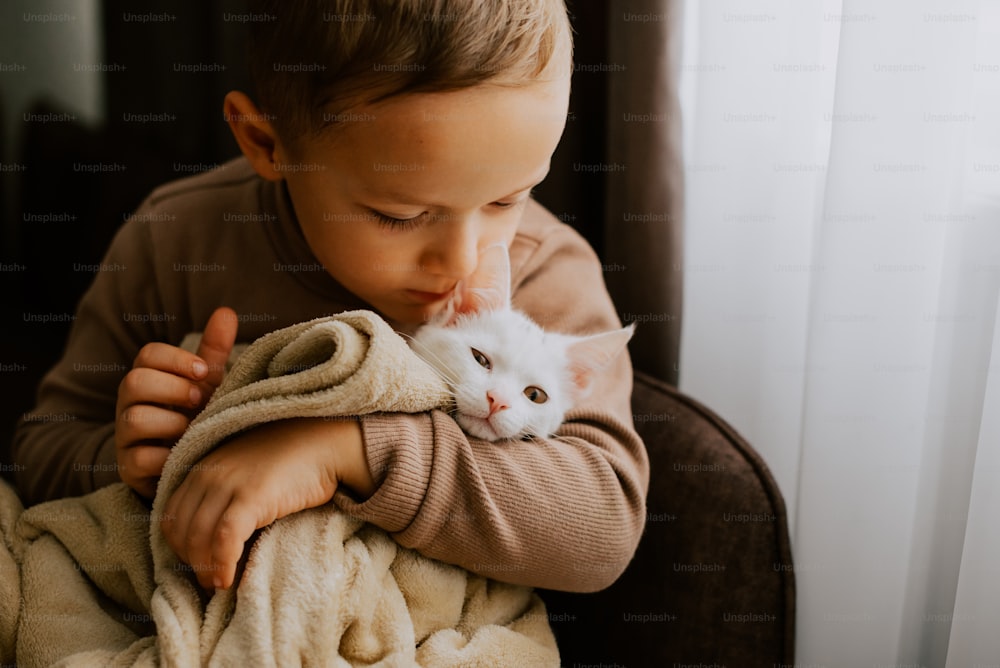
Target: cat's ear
<point>486,290</point>
<point>588,355</point>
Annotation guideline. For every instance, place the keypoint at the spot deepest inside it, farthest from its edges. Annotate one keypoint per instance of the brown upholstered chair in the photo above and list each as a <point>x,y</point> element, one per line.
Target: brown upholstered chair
<point>712,580</point>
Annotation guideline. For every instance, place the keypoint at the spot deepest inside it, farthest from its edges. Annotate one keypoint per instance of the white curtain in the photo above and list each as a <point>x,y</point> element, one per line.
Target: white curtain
<point>842,282</point>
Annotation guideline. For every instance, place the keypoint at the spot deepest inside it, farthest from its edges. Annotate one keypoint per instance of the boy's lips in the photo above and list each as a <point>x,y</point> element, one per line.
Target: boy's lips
<point>429,297</point>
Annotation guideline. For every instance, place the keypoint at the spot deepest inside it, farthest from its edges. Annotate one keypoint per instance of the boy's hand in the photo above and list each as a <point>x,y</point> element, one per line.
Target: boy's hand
<point>254,479</point>
<point>164,390</point>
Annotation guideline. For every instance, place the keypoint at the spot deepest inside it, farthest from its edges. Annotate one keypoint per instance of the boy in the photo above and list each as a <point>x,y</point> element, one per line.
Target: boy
<point>388,147</point>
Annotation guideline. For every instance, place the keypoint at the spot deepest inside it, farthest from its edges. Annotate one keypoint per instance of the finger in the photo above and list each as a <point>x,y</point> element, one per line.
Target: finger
<point>144,422</point>
<point>201,534</point>
<point>211,533</point>
<point>234,528</point>
<point>176,518</point>
<point>151,386</point>
<point>165,357</point>
<point>217,342</point>
<point>140,467</point>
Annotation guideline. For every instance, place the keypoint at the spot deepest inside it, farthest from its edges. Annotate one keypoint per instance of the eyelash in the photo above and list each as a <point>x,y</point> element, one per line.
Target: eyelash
<point>397,223</point>
<point>410,223</point>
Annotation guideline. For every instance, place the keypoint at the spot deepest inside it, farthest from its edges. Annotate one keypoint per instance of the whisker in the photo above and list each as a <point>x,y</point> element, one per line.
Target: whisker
<point>427,355</point>
<point>449,381</point>
<point>451,377</point>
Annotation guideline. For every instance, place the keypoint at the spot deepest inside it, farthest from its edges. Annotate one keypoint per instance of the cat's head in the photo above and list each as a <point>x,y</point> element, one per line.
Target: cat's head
<point>510,378</point>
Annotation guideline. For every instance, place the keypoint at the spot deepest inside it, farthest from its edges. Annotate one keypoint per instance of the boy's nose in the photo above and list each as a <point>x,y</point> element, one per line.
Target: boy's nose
<point>456,253</point>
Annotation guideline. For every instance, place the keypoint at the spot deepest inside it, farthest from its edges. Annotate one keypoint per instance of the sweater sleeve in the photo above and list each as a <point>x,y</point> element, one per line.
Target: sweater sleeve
<point>561,513</point>
<point>65,446</point>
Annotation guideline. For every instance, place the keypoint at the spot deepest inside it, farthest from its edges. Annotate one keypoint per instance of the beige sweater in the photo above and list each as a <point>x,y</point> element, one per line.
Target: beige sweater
<point>563,513</point>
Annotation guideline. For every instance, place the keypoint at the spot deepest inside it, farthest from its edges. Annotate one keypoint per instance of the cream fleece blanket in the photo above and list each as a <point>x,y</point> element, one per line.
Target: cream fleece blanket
<point>99,586</point>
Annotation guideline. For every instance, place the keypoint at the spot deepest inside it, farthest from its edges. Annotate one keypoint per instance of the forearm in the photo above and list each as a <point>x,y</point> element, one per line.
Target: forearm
<point>341,449</point>
<point>55,459</point>
<point>563,513</point>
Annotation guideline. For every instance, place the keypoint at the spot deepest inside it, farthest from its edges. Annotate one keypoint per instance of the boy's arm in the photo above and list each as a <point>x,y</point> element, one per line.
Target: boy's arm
<point>561,513</point>
<point>65,446</point>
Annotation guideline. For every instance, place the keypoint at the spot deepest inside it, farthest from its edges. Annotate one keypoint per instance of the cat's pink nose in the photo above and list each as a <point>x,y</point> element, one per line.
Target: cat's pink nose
<point>496,404</point>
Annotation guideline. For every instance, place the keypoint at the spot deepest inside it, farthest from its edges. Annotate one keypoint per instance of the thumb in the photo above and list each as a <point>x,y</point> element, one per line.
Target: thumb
<point>217,342</point>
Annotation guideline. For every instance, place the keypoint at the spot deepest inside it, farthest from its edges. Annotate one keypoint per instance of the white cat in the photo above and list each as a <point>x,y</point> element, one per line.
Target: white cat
<point>510,378</point>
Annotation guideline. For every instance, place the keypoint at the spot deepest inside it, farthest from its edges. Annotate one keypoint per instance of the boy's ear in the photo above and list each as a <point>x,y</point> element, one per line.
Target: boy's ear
<point>254,133</point>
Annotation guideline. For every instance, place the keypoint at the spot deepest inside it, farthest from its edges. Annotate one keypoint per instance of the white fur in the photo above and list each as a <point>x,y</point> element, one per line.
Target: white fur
<point>521,355</point>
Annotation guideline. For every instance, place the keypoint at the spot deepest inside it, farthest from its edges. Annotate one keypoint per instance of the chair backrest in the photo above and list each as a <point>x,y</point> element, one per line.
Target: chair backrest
<point>712,581</point>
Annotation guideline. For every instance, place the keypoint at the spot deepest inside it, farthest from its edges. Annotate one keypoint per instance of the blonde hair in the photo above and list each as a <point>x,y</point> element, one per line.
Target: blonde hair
<point>313,60</point>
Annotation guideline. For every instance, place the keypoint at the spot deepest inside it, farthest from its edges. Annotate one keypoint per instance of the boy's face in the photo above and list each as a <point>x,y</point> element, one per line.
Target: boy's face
<point>455,169</point>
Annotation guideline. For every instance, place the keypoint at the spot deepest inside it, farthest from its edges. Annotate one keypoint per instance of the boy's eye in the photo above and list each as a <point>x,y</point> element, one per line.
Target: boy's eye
<point>507,205</point>
<point>521,199</point>
<point>481,359</point>
<point>396,222</point>
<point>536,394</point>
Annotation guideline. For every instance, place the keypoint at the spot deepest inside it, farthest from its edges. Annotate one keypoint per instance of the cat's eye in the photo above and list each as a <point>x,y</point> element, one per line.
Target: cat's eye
<point>536,394</point>
<point>482,359</point>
